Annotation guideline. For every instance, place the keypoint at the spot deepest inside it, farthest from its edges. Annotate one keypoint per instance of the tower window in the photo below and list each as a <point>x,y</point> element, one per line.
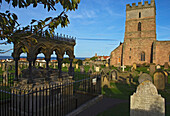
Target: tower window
<point>129,57</point>
<point>130,49</point>
<point>139,26</point>
<point>143,56</point>
<point>139,14</point>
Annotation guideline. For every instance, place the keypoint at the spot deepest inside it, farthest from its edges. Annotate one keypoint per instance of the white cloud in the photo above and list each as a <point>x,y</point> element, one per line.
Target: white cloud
<point>83,14</point>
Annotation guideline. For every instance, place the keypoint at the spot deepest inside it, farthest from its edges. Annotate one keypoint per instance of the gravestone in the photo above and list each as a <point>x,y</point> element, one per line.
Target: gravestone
<point>166,66</point>
<point>97,69</point>
<point>134,66</point>
<point>129,79</point>
<point>159,80</point>
<point>82,69</point>
<point>3,66</point>
<point>91,65</point>
<point>90,70</point>
<point>152,69</point>
<point>63,65</point>
<point>41,64</point>
<point>158,67</point>
<point>77,66</point>
<point>146,101</point>
<point>5,77</point>
<point>144,77</point>
<point>166,76</point>
<point>105,82</point>
<point>107,65</point>
<point>114,75</point>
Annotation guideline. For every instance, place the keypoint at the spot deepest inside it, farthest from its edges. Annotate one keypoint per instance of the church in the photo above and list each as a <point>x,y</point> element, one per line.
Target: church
<point>140,45</point>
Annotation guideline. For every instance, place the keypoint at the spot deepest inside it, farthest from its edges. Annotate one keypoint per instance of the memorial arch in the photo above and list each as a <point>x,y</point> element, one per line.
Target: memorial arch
<point>59,44</point>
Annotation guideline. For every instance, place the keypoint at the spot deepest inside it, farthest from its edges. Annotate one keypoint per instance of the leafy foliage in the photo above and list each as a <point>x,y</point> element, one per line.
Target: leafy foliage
<point>11,30</point>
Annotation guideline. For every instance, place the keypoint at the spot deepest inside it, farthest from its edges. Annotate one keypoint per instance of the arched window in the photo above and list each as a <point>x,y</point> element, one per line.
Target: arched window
<point>139,26</point>
<point>169,57</point>
<point>143,56</point>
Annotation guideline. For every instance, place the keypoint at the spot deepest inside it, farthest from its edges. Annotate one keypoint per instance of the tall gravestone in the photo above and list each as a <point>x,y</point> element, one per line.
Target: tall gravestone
<point>134,66</point>
<point>166,76</point>
<point>82,69</point>
<point>152,69</point>
<point>159,80</point>
<point>144,77</point>
<point>114,75</point>
<point>146,101</point>
<point>166,66</point>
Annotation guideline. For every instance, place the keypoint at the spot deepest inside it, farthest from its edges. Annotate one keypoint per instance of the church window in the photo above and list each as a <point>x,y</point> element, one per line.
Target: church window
<point>139,26</point>
<point>143,56</point>
<point>129,57</point>
<point>139,14</point>
<point>130,49</point>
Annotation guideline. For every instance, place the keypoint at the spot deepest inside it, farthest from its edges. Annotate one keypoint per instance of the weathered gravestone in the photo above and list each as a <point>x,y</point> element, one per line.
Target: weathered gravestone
<point>134,66</point>
<point>144,77</point>
<point>5,77</point>
<point>3,66</point>
<point>90,70</point>
<point>107,65</point>
<point>166,66</point>
<point>166,76</point>
<point>105,82</point>
<point>159,80</point>
<point>146,101</point>
<point>63,65</point>
<point>158,67</point>
<point>77,66</point>
<point>129,79</point>
<point>97,69</point>
<point>114,75</point>
<point>152,69</point>
<point>82,69</point>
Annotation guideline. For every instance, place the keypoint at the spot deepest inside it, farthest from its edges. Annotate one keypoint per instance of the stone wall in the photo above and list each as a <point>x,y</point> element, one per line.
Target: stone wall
<point>115,57</point>
<point>162,52</point>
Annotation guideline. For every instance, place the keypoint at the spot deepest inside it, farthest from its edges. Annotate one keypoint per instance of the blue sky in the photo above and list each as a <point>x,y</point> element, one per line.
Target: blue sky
<point>98,25</point>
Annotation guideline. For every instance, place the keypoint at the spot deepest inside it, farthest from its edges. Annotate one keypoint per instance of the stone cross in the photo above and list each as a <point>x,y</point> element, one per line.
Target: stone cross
<point>123,68</point>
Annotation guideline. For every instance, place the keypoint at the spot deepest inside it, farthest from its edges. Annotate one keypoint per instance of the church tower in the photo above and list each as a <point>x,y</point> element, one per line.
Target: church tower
<point>140,33</point>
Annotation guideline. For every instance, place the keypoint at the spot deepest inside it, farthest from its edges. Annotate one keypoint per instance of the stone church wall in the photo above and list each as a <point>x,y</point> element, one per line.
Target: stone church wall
<point>162,52</point>
<point>115,57</point>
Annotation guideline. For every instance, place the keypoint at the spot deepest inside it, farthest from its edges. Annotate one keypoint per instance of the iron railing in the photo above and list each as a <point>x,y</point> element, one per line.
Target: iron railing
<point>46,100</point>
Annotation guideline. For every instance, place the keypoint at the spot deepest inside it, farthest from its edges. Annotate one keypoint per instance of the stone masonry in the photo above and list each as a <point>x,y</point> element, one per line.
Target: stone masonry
<point>140,38</point>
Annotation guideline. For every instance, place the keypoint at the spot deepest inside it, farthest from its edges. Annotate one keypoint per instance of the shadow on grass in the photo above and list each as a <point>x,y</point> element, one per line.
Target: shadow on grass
<point>119,90</point>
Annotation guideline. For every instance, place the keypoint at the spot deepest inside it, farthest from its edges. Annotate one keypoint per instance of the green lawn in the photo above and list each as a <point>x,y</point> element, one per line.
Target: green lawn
<point>123,109</point>
<point>119,90</point>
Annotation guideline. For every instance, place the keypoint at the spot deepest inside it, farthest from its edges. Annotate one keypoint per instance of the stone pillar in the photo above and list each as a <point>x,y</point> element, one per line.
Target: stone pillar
<point>16,69</point>
<point>30,60</point>
<point>71,69</point>
<point>47,62</point>
<point>34,62</point>
<point>60,67</point>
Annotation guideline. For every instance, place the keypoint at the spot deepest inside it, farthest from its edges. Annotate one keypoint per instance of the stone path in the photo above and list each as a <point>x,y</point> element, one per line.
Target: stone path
<point>101,106</point>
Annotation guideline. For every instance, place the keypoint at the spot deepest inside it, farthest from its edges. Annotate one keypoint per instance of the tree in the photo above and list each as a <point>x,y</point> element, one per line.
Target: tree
<point>12,31</point>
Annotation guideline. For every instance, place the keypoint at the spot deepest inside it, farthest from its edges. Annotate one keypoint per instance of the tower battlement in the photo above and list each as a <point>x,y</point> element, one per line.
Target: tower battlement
<point>140,6</point>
